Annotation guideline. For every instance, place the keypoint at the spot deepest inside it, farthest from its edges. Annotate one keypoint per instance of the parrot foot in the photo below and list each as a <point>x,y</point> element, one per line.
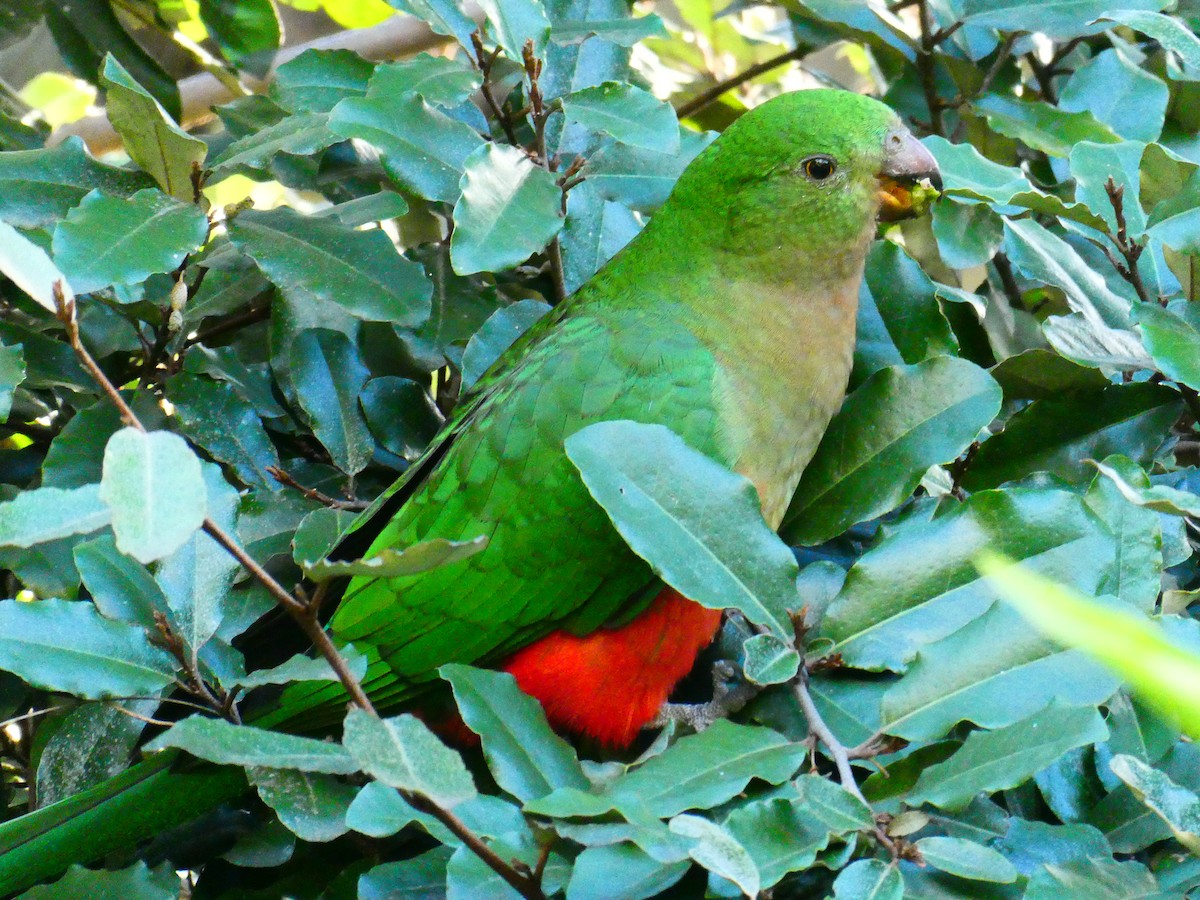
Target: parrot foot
<point>731,691</point>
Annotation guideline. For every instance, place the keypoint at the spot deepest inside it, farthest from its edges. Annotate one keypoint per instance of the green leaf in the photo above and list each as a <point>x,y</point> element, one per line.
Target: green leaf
<point>1085,340</point>
<point>968,234</point>
<point>900,422</point>
<point>1092,879</point>
<point>134,883</point>
<point>1175,220</point>
<point>968,173</point>
<point>1057,19</point>
<point>246,31</point>
<point>122,589</point>
<point>403,753</point>
<point>61,645</point>
<point>93,743</point>
<point>624,32</point>
<point>642,179</point>
<point>869,879</point>
<point>1160,497</point>
<point>29,267</point>
<point>418,878</point>
<point>41,515</point>
<point>1175,805</point>
<point>704,770</point>
<point>718,851</point>
<point>1046,257</point>
<point>376,207</point>
<point>1136,573</point>
<point>216,418</point>
<point>221,742</point>
<point>1013,672</point>
<point>631,115</point>
<point>1157,669</point>
<point>767,659</point>
<point>12,373</point>
<point>151,138</point>
<point>316,259</point>
<point>1039,125</point>
<point>316,80</point>
<point>496,335</point>
<point>442,16</point>
<point>513,22</point>
<point>919,584</point>
<point>1172,338</point>
<point>401,414</point>
<point>967,859</point>
<point>328,376</point>
<point>1122,95</point>
<point>112,241</point>
<point>1057,435</point>
<point>1041,374</point>
<point>621,870</point>
<point>153,484</point>
<point>905,298</point>
<point>421,148</point>
<point>527,759</point>
<point>197,578</point>
<point>1093,164</point>
<point>509,209</point>
<point>393,563</point>
<point>1171,32</point>
<point>305,668</point>
<point>779,837</point>
<point>440,80</point>
<point>595,230</point>
<point>992,761</point>
<point>312,806</point>
<point>38,187</point>
<point>299,134</point>
<point>698,525</point>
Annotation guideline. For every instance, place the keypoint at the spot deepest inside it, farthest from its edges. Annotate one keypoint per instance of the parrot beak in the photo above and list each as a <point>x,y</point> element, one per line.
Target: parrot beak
<point>909,179</point>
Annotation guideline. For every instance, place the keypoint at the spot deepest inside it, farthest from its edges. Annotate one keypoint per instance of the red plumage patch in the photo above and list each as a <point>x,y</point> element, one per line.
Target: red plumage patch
<point>610,683</point>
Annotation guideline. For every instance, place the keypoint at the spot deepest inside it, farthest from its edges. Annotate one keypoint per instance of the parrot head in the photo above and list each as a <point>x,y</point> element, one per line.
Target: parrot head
<point>810,168</point>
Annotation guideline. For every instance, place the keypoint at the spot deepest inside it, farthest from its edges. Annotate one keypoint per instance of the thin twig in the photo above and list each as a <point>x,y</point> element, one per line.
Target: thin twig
<point>526,886</point>
<point>484,62</point>
<point>305,614</point>
<point>540,113</point>
<point>1130,250</point>
<point>821,731</point>
<point>926,68</point>
<point>313,494</point>
<point>704,98</point>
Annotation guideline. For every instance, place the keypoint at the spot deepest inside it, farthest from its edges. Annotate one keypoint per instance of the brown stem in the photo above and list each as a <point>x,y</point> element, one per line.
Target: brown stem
<point>1130,250</point>
<point>524,885</point>
<point>313,494</point>
<point>926,68</point>
<point>697,103</point>
<point>541,113</point>
<point>484,61</point>
<point>66,315</point>
<point>305,615</point>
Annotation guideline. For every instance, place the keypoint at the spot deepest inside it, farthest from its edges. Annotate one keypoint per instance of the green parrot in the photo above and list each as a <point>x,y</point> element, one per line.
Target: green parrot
<point>730,319</point>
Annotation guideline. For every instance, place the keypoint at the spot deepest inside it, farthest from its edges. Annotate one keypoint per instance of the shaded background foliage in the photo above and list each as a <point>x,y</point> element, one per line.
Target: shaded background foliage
<point>304,284</point>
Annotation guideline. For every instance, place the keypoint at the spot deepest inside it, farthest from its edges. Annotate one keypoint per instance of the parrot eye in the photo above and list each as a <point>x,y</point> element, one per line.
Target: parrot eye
<point>818,168</point>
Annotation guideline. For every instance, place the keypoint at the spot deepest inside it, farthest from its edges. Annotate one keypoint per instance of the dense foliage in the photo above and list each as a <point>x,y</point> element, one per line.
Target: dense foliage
<point>291,298</point>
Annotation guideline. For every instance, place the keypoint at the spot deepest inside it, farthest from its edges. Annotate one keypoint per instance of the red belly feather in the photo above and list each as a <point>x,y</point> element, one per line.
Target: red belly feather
<point>610,683</point>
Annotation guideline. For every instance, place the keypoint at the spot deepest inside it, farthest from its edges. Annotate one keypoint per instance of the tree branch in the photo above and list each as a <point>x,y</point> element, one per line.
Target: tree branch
<point>305,613</point>
<point>703,99</point>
